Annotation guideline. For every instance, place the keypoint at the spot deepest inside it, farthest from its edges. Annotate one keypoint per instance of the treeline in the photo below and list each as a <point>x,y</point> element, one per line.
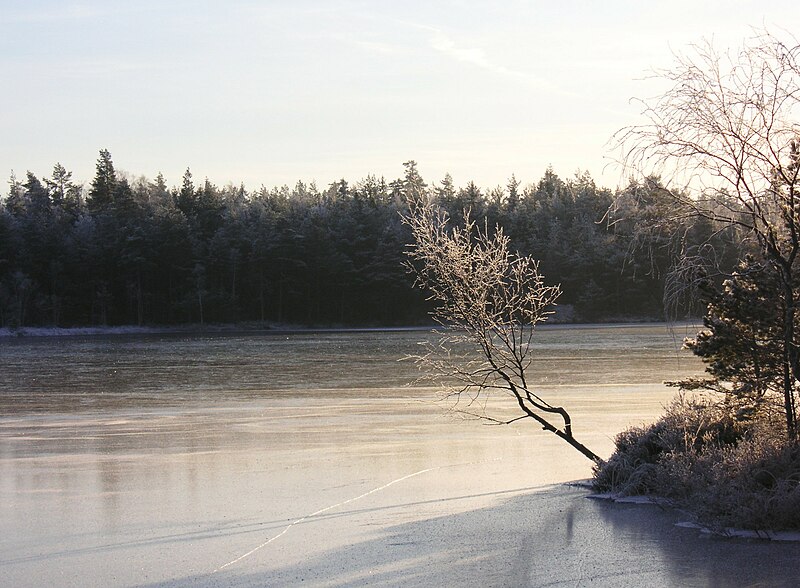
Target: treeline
<point>134,251</point>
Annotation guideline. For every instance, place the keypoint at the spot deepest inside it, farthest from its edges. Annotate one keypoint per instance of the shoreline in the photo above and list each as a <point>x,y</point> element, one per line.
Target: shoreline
<point>786,536</point>
<point>220,329</point>
<point>277,329</point>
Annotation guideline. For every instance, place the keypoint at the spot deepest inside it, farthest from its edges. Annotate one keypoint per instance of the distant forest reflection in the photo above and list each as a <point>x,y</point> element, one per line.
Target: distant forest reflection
<point>127,251</point>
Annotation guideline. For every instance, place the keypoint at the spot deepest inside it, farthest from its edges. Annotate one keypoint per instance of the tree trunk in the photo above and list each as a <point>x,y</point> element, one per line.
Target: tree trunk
<point>790,359</point>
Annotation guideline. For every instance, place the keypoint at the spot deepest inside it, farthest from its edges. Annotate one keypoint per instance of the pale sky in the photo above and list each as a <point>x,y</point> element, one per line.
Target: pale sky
<point>273,92</point>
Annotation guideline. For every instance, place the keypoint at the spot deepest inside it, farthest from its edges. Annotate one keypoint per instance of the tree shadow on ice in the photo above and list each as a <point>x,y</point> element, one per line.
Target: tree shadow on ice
<point>552,537</point>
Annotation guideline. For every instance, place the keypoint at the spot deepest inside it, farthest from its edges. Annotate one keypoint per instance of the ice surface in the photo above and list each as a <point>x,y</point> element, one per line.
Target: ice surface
<point>251,460</point>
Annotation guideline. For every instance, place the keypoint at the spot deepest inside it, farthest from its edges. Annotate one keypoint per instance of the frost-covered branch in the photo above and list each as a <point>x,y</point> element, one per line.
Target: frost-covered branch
<point>488,303</point>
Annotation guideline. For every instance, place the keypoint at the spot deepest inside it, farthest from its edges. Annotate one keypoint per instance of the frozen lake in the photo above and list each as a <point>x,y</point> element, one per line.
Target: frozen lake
<point>281,459</point>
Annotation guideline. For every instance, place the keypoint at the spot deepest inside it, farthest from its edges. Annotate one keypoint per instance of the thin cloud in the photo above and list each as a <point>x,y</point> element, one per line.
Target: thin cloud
<point>445,45</point>
<point>477,57</point>
<point>439,42</point>
<point>104,68</point>
<point>370,45</point>
<point>71,12</point>
<point>442,43</point>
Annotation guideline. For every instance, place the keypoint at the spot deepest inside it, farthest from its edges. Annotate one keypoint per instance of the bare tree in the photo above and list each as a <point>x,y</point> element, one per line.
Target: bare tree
<point>488,303</point>
<point>724,139</point>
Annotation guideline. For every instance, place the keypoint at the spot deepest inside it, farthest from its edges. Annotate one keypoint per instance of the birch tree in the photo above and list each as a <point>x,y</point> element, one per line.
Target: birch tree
<point>489,301</point>
<point>725,139</point>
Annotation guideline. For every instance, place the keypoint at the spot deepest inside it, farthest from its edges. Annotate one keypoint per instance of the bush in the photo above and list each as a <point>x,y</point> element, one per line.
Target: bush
<point>727,471</point>
<point>689,426</point>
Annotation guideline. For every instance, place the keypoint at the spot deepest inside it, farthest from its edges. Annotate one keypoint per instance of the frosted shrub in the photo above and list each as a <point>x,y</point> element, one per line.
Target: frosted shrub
<point>689,426</point>
<point>728,473</point>
<point>755,485</point>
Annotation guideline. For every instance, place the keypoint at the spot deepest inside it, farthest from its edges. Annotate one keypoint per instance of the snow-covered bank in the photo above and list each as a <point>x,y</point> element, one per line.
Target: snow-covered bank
<point>191,329</point>
<point>6,332</point>
<point>77,331</point>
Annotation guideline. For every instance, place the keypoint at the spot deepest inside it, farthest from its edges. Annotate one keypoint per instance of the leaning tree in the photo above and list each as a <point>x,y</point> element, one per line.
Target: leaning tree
<point>725,140</point>
<point>488,301</point>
